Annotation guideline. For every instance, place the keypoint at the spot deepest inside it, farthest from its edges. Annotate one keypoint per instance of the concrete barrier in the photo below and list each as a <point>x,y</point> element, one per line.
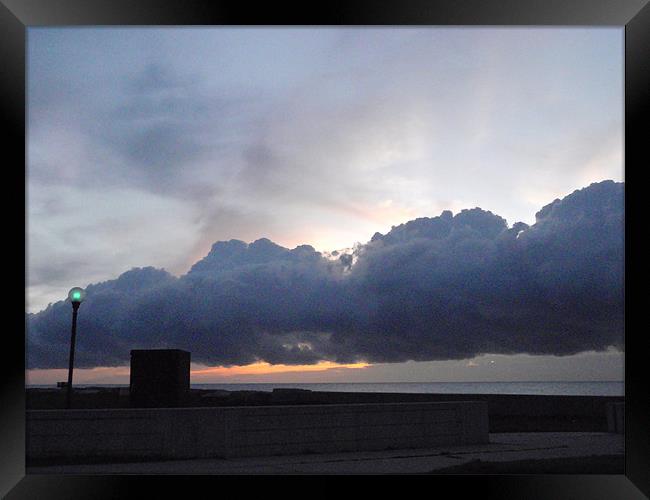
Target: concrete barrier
<point>616,417</point>
<point>171,433</point>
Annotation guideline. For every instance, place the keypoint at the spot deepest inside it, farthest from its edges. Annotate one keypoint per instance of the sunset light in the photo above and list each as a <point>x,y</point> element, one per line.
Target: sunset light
<point>263,368</point>
<point>363,248</point>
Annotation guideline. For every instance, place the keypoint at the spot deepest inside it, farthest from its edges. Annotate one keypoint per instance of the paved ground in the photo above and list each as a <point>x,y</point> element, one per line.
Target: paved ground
<point>505,447</point>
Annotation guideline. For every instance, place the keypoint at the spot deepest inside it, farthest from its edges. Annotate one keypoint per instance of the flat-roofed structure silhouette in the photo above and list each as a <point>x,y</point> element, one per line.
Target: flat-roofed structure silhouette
<point>160,378</point>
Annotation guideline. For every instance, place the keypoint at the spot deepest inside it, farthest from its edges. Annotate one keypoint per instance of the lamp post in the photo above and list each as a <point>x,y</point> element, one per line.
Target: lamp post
<point>76,296</point>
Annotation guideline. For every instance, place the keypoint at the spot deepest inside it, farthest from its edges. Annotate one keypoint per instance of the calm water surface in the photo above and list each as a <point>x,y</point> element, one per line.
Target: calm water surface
<point>542,388</point>
<point>547,388</point>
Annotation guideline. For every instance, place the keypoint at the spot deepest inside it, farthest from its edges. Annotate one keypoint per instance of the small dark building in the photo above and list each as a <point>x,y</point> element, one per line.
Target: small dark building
<point>160,378</point>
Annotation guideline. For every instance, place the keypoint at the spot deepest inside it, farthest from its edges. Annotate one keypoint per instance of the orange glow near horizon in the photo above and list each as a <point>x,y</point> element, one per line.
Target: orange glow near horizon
<point>263,368</point>
<point>198,373</point>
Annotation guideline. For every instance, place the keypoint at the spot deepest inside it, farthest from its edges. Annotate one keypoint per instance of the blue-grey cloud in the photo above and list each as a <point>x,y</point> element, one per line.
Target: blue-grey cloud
<point>447,287</point>
<point>316,135</point>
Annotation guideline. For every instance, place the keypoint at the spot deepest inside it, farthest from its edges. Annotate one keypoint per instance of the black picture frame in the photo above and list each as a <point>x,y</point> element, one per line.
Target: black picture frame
<point>17,15</point>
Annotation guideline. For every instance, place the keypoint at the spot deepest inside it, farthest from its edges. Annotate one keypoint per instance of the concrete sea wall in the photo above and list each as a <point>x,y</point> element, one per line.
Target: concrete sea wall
<point>616,417</point>
<point>172,433</point>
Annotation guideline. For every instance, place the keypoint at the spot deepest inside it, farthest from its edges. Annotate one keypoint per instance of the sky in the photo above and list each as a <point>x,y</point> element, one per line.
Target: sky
<point>146,146</point>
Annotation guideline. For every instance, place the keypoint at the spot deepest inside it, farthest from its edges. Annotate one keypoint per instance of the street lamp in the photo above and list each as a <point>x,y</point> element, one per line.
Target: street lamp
<point>76,296</point>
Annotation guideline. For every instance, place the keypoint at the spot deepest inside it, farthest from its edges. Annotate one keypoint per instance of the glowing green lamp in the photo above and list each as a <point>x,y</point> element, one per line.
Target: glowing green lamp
<point>76,296</point>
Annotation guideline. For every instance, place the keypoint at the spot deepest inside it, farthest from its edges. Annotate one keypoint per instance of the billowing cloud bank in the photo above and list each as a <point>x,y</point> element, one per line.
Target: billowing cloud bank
<point>447,287</point>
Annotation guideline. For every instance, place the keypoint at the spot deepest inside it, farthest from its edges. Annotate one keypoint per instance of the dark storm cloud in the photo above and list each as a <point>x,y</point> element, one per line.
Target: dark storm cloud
<point>454,288</point>
<point>447,287</point>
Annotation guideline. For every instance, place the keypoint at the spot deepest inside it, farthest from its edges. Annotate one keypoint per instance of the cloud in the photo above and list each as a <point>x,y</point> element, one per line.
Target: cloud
<point>305,134</point>
<point>447,287</point>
